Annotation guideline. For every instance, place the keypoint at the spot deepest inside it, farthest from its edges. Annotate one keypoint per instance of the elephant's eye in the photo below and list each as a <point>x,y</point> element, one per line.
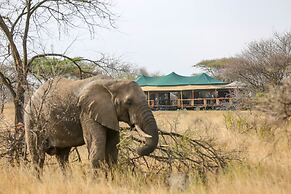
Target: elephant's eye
<point>128,102</point>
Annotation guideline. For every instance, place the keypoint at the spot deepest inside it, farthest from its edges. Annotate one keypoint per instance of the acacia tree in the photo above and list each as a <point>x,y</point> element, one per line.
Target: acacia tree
<point>214,67</point>
<point>24,22</point>
<point>45,68</point>
<point>263,63</point>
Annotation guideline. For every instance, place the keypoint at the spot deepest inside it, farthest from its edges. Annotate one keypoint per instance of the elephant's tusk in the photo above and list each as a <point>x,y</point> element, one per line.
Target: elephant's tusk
<point>140,132</point>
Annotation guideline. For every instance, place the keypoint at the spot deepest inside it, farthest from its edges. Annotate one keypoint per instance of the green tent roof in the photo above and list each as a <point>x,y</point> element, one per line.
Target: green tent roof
<point>174,79</point>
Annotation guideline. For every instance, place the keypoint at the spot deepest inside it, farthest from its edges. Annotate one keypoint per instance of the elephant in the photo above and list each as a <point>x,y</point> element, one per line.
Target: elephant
<point>65,113</point>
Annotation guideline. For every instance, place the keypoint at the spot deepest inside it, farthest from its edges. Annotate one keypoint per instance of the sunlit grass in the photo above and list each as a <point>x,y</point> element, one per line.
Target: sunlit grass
<point>265,165</point>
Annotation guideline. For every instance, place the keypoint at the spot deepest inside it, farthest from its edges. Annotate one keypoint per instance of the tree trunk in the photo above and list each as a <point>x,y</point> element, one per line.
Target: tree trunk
<point>2,99</point>
<point>19,102</point>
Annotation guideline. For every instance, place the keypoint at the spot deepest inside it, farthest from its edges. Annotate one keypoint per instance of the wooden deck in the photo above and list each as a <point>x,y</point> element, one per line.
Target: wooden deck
<point>195,103</point>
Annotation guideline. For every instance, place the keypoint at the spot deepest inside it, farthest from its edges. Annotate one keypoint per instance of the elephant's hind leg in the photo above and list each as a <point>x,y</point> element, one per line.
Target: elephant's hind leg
<point>37,153</point>
<point>62,155</point>
<point>34,141</point>
<point>111,147</point>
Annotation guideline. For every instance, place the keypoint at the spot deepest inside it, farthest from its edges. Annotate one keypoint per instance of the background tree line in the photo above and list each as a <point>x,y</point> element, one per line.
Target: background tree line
<point>261,64</point>
<point>264,67</point>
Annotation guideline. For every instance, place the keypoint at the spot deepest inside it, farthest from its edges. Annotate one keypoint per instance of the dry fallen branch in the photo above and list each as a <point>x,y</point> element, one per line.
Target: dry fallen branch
<point>12,144</point>
<point>175,152</point>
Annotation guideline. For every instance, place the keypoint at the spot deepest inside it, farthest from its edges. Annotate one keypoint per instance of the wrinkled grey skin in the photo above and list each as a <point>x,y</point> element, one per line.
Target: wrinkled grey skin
<point>66,113</point>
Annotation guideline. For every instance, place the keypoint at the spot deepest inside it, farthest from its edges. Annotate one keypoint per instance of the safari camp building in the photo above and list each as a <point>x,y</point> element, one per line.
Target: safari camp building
<point>173,91</point>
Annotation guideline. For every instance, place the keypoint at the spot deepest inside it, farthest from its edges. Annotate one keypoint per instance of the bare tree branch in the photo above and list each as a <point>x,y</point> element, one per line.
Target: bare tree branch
<point>15,53</point>
<point>7,83</point>
<point>24,22</point>
<point>26,29</point>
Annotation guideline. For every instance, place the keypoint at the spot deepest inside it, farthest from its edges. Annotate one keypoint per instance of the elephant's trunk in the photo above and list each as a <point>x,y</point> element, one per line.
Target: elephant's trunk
<point>148,125</point>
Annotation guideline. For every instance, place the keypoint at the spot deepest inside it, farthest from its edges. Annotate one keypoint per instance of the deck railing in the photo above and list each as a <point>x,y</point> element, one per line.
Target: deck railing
<point>190,103</point>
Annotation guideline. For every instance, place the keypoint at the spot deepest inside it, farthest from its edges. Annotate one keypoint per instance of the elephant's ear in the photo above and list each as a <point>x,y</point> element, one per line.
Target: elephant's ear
<point>96,100</point>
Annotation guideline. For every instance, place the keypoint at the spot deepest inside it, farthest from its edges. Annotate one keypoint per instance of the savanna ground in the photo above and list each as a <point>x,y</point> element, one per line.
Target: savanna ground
<point>264,164</point>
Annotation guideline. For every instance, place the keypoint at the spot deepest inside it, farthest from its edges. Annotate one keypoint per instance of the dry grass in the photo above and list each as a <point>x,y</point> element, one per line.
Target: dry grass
<point>9,112</point>
<point>266,166</point>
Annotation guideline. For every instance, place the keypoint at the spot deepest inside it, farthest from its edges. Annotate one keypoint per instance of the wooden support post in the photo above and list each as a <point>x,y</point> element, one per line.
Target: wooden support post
<point>204,102</point>
<point>192,98</point>
<point>217,101</point>
<point>157,103</point>
<point>230,101</point>
<point>181,94</point>
<point>149,100</point>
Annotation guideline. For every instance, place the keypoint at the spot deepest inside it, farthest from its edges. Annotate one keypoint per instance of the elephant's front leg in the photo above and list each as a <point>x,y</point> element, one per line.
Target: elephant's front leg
<point>111,147</point>
<point>95,139</point>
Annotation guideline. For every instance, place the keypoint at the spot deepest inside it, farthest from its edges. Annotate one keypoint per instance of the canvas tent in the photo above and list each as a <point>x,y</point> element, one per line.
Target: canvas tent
<point>174,79</point>
<point>174,91</point>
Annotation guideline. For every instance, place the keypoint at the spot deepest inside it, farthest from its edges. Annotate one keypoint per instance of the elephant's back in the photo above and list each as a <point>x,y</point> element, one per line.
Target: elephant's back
<point>56,90</point>
<point>60,92</point>
<point>56,94</point>
<point>56,104</point>
<point>56,85</point>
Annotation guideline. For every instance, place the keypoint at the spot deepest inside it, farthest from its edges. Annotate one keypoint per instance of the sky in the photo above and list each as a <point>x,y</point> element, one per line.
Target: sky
<point>171,36</point>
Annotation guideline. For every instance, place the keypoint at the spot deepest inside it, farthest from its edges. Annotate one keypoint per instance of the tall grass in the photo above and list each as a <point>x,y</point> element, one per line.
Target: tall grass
<point>265,165</point>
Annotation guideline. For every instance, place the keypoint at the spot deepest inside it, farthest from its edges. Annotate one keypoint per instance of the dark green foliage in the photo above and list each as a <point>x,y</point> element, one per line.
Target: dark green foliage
<point>45,68</point>
<point>214,63</point>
